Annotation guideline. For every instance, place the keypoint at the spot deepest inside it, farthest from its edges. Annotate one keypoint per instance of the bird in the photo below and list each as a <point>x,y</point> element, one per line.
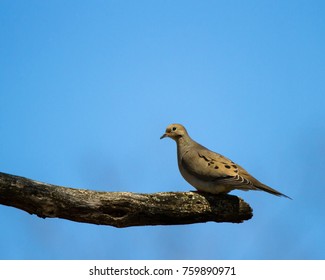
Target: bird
<point>208,171</point>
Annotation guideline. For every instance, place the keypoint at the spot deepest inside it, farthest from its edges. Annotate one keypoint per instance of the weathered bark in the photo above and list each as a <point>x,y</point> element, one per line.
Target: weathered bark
<point>120,209</point>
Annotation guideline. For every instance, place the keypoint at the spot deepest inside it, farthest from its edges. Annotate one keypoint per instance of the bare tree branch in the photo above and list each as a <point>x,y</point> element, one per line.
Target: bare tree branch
<point>120,209</point>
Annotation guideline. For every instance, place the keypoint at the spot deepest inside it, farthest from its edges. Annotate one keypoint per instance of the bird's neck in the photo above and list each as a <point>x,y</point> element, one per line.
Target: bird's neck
<point>184,140</point>
<point>183,143</point>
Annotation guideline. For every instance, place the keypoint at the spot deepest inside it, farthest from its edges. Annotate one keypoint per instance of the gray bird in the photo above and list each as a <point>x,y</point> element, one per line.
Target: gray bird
<point>208,171</point>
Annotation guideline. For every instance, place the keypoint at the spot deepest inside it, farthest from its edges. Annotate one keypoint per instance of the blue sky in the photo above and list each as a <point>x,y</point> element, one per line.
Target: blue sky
<point>88,87</point>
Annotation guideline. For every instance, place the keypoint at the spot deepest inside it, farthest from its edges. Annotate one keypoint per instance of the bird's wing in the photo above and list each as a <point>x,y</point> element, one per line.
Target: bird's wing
<point>212,167</point>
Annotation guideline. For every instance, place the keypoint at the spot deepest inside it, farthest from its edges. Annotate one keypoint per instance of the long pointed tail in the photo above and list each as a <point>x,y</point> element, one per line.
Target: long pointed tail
<point>268,189</point>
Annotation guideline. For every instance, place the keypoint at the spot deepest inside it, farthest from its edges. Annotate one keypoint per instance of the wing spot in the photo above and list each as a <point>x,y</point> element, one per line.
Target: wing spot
<point>216,167</point>
<point>227,166</point>
<point>202,156</point>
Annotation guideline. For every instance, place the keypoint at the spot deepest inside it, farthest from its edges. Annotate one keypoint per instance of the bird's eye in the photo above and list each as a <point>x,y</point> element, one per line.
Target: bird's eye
<point>174,128</point>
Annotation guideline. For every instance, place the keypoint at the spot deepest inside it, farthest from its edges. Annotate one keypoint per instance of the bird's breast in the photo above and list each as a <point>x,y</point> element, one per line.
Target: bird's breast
<point>201,185</point>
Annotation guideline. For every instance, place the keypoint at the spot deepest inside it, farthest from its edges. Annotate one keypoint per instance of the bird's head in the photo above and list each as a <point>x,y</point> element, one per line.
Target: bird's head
<point>174,131</point>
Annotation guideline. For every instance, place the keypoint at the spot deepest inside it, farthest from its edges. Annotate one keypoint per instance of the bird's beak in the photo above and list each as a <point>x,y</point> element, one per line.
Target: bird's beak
<point>163,136</point>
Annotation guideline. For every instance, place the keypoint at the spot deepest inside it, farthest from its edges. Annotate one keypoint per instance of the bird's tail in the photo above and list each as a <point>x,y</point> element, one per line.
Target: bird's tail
<point>262,187</point>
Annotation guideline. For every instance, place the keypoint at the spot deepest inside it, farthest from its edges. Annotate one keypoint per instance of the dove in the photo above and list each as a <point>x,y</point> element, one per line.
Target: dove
<point>208,171</point>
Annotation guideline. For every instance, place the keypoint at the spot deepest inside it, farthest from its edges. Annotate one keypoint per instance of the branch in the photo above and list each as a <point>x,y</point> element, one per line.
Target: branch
<point>120,209</point>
